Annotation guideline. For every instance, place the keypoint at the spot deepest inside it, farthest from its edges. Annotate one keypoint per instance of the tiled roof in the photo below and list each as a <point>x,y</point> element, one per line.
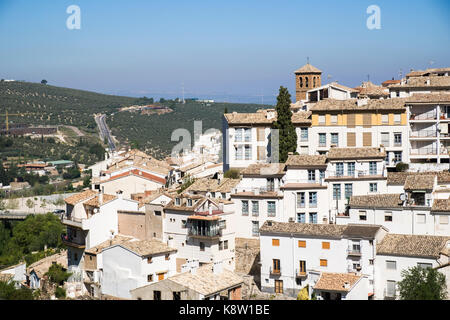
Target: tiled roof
<point>399,178</point>
<point>412,245</point>
<point>262,194</point>
<point>352,105</point>
<point>335,84</point>
<point>213,185</point>
<point>321,230</point>
<point>390,82</point>
<point>95,203</point>
<point>422,82</point>
<point>261,117</point>
<point>419,182</point>
<point>264,169</point>
<point>72,200</point>
<point>108,243</point>
<point>441,205</point>
<point>141,160</point>
<point>41,267</point>
<point>337,281</point>
<point>355,153</point>
<point>205,282</point>
<point>428,98</point>
<point>307,68</point>
<point>370,89</point>
<point>147,247</point>
<point>376,201</point>
<point>306,160</point>
<point>137,173</point>
<point>307,229</point>
<point>300,186</point>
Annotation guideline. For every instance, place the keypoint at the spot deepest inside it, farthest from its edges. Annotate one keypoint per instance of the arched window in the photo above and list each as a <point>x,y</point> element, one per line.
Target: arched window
<point>306,82</point>
<point>301,82</point>
<point>314,82</point>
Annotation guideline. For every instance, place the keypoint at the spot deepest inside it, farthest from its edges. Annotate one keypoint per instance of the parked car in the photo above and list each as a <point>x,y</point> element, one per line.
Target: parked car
<point>59,211</point>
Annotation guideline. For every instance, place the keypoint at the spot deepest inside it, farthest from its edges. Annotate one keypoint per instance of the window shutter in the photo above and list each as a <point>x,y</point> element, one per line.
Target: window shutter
<point>367,120</point>
<point>276,242</point>
<point>302,244</point>
<point>325,245</point>
<point>351,120</point>
<point>367,139</point>
<point>261,153</point>
<point>351,139</point>
<point>260,134</point>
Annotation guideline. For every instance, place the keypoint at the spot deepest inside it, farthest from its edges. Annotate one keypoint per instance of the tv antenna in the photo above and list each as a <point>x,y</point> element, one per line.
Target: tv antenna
<point>182,89</point>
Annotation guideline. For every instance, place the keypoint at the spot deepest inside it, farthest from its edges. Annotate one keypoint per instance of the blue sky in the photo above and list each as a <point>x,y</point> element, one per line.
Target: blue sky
<point>228,48</point>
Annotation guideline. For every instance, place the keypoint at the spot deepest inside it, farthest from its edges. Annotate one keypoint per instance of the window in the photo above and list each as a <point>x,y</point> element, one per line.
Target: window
<point>239,152</point>
<point>176,295</point>
<point>351,169</point>
<point>322,140</point>
<point>150,278</point>
<point>149,260</point>
<point>323,262</point>
<point>336,192</point>
<point>261,134</point>
<point>255,228</point>
<point>306,82</point>
<point>390,288</point>
<point>421,218</point>
<point>363,215</point>
<point>270,184</point>
<point>424,265</point>
<point>397,156</point>
<point>301,218</point>
<point>391,265</point>
<point>367,120</point>
<point>313,217</point>
<point>397,139</point>
<point>244,207</point>
<point>371,262</point>
<point>367,139</point>
<point>275,242</point>
<point>397,118</point>
<point>312,176</point>
<point>300,79</point>
<point>351,120</point>
<point>387,159</point>
<point>156,295</point>
<point>300,200</point>
<point>177,201</point>
<point>335,139</point>
<point>385,119</point>
<point>322,175</point>
<point>167,256</point>
<point>255,208</point>
<point>388,216</point>
<point>301,243</point>
<point>351,139</point>
<point>202,246</point>
<point>385,139</point>
<point>157,213</point>
<point>339,169</point>
<point>220,245</point>
<point>225,245</point>
<point>248,134</point>
<point>278,286</point>
<point>304,134</point>
<point>248,152</point>
<point>314,82</point>
<point>334,120</point>
<point>276,265</point>
<point>443,219</point>
<point>373,187</point>
<point>302,265</point>
<point>313,199</point>
<point>348,190</point>
<point>373,168</point>
<point>271,209</point>
<point>183,224</point>
<point>325,245</point>
<point>239,135</point>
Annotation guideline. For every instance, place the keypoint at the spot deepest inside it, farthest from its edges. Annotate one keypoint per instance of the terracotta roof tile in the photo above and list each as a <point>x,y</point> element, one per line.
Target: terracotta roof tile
<point>412,245</point>
<point>82,196</point>
<point>147,247</point>
<point>307,68</point>
<point>419,182</point>
<point>265,117</point>
<point>428,98</point>
<point>441,205</point>
<point>264,169</point>
<point>94,202</point>
<point>399,178</point>
<point>342,282</point>
<point>306,160</point>
<point>376,201</point>
<point>355,153</point>
<point>397,104</point>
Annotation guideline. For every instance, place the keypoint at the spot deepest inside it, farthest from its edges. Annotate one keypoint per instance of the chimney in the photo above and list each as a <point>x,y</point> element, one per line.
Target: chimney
<point>346,285</point>
<point>194,264</point>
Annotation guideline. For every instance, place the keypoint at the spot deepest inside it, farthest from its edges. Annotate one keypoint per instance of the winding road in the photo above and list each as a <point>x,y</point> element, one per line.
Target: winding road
<point>104,130</point>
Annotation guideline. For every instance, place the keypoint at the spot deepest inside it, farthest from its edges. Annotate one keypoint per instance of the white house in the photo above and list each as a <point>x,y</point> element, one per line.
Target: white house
<point>135,263</point>
<point>398,252</point>
<point>294,255</point>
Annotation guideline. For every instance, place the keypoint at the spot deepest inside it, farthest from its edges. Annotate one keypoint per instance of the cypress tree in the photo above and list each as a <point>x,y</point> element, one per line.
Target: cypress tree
<point>287,134</point>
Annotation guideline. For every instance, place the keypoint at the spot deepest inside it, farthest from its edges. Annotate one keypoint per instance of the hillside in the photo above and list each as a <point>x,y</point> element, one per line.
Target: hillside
<point>50,105</point>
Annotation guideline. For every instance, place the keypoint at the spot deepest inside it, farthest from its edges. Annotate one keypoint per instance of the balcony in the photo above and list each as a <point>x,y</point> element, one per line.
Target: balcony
<point>202,229</point>
<point>355,252</point>
<point>275,272</point>
<point>423,134</point>
<point>424,152</point>
<point>255,214</point>
<point>428,116</point>
<point>69,220</point>
<point>354,174</point>
<point>73,242</point>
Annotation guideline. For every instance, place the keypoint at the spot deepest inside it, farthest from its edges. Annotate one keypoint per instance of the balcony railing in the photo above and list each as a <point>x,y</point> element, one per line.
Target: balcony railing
<point>301,273</point>
<point>205,233</point>
<point>355,174</point>
<point>255,214</point>
<point>423,151</point>
<point>424,116</point>
<point>353,252</point>
<point>73,242</point>
<point>423,134</point>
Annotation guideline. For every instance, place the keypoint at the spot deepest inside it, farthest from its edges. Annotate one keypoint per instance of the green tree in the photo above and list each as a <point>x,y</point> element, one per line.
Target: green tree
<point>287,134</point>
<point>232,174</point>
<point>225,110</point>
<point>30,203</point>
<point>420,283</point>
<point>57,274</point>
<point>44,81</point>
<point>8,291</point>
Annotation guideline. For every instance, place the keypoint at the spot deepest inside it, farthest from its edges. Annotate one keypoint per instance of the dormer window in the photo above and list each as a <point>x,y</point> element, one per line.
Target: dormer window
<point>189,202</point>
<point>177,201</point>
